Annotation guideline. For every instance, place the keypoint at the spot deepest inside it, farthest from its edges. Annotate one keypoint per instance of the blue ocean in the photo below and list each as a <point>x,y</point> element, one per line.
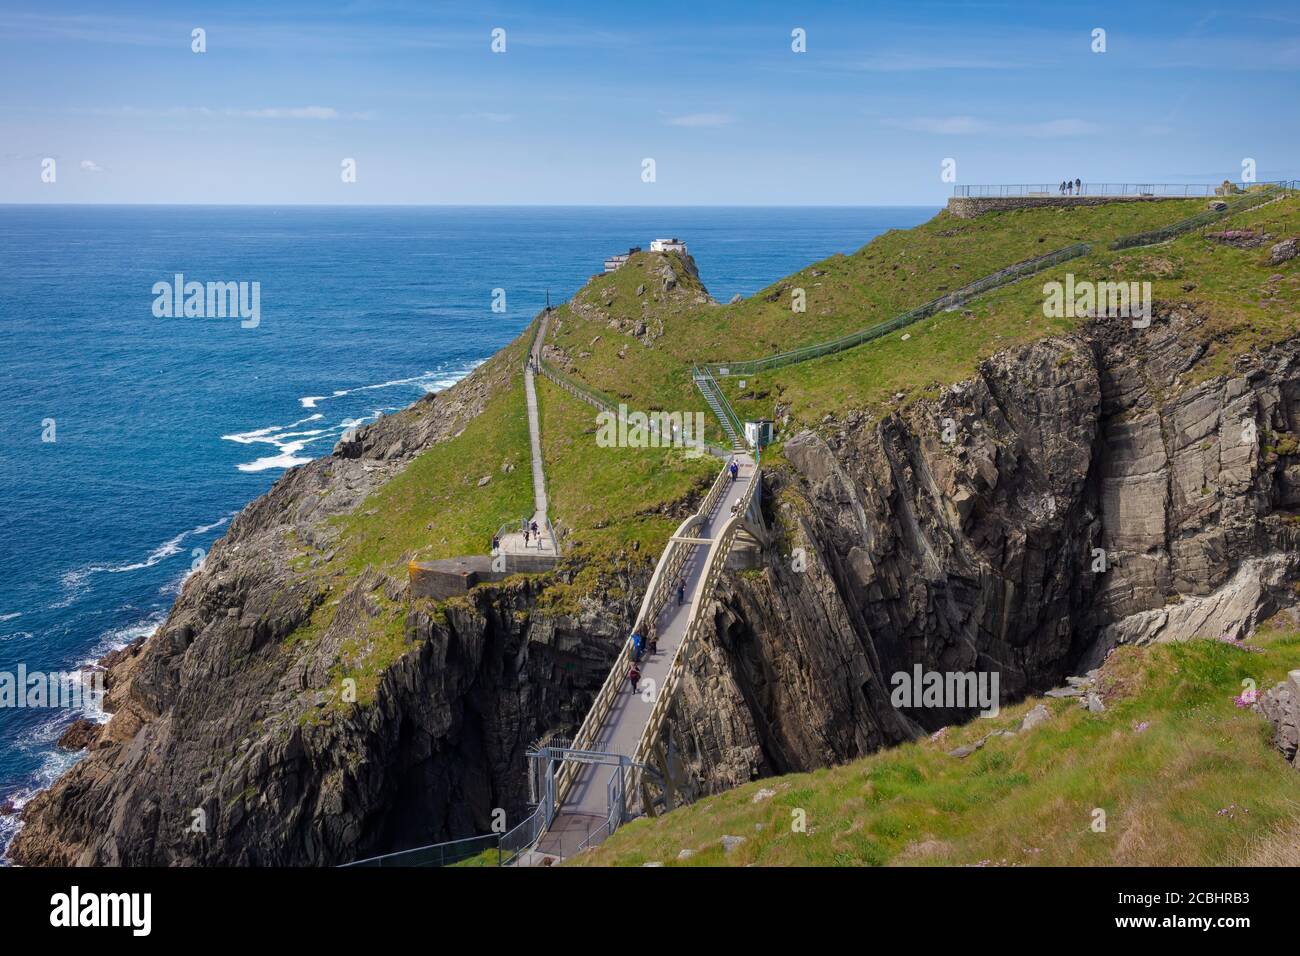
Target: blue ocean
<point>131,440</point>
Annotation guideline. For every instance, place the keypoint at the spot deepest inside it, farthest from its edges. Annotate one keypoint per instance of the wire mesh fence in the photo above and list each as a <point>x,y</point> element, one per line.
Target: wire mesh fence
<point>951,300</point>
<point>1241,203</point>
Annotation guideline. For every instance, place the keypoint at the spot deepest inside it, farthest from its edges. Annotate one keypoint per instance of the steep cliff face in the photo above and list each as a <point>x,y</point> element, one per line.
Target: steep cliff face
<point>1074,495</point>
<point>227,745</point>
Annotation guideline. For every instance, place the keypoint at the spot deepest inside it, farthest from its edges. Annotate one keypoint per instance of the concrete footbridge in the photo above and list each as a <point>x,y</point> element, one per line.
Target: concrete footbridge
<point>621,763</point>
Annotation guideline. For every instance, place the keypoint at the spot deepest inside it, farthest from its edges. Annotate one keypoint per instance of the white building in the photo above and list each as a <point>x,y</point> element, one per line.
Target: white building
<point>614,263</point>
<point>668,245</point>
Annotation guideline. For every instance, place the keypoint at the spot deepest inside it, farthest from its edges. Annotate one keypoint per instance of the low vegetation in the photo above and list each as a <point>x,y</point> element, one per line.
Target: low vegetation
<point>1250,302</point>
<point>1184,775</point>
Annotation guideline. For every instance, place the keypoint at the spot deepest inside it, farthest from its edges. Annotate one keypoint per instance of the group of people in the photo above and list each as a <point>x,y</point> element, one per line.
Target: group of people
<point>531,533</point>
<point>1068,188</point>
<point>640,647</point>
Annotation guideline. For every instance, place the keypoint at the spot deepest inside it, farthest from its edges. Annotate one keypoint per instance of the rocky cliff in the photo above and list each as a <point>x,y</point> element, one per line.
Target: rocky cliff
<point>224,747</point>
<point>1080,492</point>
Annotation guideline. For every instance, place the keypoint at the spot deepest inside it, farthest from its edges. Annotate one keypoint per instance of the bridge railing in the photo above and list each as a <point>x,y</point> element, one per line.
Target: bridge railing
<point>658,592</point>
<point>706,383</point>
<point>1109,190</point>
<point>716,563</point>
<point>436,854</point>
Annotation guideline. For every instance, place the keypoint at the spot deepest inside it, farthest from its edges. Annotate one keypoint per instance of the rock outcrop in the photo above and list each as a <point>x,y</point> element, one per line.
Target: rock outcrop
<point>1281,706</point>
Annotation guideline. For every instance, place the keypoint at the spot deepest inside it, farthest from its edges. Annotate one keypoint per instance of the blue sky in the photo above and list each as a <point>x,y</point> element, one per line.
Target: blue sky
<point>586,91</point>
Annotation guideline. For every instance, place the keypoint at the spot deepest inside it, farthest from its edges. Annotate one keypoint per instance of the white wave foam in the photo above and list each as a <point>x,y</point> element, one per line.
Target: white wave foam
<point>74,582</point>
<point>286,459</point>
<point>42,739</point>
<point>119,637</point>
<point>267,434</point>
<point>10,617</point>
<point>289,443</point>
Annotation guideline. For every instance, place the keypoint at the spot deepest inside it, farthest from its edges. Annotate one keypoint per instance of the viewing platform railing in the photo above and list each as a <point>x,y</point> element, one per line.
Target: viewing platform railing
<point>657,593</point>
<point>1169,190</point>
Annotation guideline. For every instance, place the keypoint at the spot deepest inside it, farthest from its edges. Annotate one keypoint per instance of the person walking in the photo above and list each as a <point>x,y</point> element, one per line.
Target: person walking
<point>681,593</point>
<point>633,677</point>
<point>636,648</point>
<point>734,469</point>
<point>496,544</point>
<point>537,534</point>
<point>525,537</point>
<point>654,643</point>
<point>1078,186</point>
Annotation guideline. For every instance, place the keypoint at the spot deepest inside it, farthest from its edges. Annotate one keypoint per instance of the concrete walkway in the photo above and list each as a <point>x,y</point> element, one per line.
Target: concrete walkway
<point>586,808</point>
<point>513,543</point>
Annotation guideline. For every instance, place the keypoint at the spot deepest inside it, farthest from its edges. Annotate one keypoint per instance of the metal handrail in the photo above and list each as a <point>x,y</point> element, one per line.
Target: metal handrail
<point>1115,190</point>
<point>731,422</point>
<point>434,854</point>
<point>714,567</point>
<point>657,594</point>
<point>951,300</point>
<point>1240,204</point>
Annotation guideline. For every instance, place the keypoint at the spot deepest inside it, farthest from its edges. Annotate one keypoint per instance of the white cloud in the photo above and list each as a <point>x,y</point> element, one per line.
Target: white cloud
<point>292,112</point>
<point>1059,127</point>
<point>272,112</point>
<point>942,125</point>
<point>701,120</point>
<point>90,166</point>
<point>970,125</point>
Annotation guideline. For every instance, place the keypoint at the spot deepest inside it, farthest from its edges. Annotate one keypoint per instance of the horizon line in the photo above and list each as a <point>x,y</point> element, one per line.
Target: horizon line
<point>381,205</point>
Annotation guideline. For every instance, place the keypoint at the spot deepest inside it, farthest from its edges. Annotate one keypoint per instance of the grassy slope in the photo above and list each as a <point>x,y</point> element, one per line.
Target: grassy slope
<point>614,500</point>
<point>1200,784</point>
<point>1232,284</point>
<point>896,271</point>
<point>435,508</point>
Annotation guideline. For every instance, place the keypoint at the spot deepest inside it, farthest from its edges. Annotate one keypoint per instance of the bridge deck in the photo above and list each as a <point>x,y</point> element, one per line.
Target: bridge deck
<point>587,806</point>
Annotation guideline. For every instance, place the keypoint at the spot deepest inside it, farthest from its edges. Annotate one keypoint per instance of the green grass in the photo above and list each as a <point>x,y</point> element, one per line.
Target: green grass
<point>896,271</point>
<point>435,508</point>
<point>1232,285</point>
<point>1199,784</point>
<point>614,503</point>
